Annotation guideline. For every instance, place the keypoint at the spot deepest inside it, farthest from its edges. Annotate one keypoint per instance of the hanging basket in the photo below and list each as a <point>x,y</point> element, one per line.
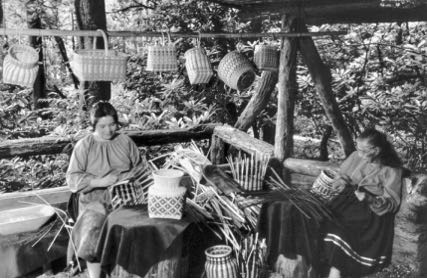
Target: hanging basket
<point>20,66</point>
<point>199,69</point>
<point>162,58</point>
<point>266,58</point>
<point>99,65</point>
<point>236,71</point>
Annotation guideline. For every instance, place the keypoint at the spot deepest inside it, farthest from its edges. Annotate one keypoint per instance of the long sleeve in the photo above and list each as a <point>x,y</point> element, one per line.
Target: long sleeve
<point>77,178</point>
<point>389,201</point>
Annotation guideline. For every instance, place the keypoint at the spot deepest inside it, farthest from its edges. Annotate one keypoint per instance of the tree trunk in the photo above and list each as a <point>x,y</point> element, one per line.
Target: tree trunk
<point>63,51</point>
<point>90,15</point>
<point>34,21</point>
<point>258,101</point>
<point>321,76</point>
<point>283,145</point>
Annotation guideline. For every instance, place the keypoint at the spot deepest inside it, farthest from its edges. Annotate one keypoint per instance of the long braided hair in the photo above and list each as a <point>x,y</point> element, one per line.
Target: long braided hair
<point>388,155</point>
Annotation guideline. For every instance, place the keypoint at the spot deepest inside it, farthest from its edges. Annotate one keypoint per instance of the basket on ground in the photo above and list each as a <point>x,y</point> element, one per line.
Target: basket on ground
<point>266,58</point>
<point>20,66</point>
<point>99,65</point>
<point>236,71</point>
<point>199,69</point>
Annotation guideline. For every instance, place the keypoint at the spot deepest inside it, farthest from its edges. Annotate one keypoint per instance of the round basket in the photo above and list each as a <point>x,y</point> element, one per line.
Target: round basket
<point>20,66</point>
<point>323,187</point>
<point>199,69</point>
<point>167,177</point>
<point>266,58</point>
<point>236,71</point>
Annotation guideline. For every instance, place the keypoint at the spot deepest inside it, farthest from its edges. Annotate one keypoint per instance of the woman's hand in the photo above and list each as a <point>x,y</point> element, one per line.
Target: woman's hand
<point>340,182</point>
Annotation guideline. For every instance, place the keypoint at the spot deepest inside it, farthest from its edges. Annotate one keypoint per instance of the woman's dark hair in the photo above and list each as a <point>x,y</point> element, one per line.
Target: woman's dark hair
<point>102,109</point>
<point>387,156</point>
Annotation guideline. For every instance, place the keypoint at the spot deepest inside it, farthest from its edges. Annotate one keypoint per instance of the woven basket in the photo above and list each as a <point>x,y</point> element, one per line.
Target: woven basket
<point>20,66</point>
<point>323,188</point>
<point>166,202</point>
<point>266,58</point>
<point>127,194</point>
<point>99,65</point>
<point>162,58</point>
<point>199,69</point>
<point>236,71</point>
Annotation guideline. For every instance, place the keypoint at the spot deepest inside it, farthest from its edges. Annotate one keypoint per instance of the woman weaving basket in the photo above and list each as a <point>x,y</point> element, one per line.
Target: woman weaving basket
<point>99,160</point>
<point>358,241</point>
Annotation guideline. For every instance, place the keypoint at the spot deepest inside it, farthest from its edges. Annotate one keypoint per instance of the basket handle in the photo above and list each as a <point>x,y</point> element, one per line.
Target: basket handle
<point>104,36</point>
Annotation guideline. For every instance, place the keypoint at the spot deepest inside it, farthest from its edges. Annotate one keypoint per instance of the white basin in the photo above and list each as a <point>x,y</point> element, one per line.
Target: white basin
<point>24,219</point>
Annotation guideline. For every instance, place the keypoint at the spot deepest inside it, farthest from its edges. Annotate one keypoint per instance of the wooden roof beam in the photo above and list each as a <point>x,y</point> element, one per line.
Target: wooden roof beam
<point>356,12</point>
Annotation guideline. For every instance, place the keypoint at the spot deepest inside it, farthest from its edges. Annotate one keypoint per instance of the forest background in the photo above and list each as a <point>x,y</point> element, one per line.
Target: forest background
<point>378,76</point>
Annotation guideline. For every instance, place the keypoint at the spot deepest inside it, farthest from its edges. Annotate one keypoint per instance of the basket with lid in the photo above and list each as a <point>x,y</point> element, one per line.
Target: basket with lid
<point>20,66</point>
<point>99,65</point>
<point>236,71</point>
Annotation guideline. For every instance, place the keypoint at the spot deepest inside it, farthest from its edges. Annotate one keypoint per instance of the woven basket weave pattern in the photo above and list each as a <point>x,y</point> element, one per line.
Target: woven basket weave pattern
<point>164,202</point>
<point>236,71</point>
<point>99,65</point>
<point>126,195</point>
<point>323,187</point>
<point>266,58</point>
<point>199,69</point>
<point>161,59</point>
<point>20,65</point>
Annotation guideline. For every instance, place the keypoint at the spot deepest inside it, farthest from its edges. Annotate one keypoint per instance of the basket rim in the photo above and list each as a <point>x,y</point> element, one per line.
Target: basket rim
<point>227,248</point>
<point>24,64</point>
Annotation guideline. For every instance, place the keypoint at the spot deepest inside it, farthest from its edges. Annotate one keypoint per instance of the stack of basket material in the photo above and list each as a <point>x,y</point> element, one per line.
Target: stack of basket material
<point>166,199</point>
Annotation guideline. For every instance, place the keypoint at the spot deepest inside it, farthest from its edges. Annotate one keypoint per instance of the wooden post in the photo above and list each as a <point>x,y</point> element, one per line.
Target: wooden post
<point>283,145</point>
<point>258,101</point>
<point>321,76</point>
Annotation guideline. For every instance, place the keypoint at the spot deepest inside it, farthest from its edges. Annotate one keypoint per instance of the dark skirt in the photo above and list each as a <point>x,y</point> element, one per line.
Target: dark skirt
<point>93,210</point>
<point>290,233</point>
<point>359,242</point>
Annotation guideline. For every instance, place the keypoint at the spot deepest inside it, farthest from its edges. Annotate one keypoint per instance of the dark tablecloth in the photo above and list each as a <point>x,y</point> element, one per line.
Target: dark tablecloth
<point>132,240</point>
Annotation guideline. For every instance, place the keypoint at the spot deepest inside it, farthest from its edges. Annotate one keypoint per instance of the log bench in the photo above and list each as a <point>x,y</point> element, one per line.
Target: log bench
<point>410,245</point>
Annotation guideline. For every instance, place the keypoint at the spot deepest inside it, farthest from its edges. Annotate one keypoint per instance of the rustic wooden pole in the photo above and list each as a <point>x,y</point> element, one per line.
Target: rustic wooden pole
<point>258,101</point>
<point>321,76</point>
<point>283,145</point>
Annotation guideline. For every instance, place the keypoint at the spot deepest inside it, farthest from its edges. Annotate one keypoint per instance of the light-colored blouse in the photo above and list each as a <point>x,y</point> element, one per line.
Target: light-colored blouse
<point>382,181</point>
<point>92,158</point>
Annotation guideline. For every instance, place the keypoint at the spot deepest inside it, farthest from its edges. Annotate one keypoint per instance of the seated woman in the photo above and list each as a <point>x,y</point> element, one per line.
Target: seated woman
<point>359,239</point>
<point>98,161</point>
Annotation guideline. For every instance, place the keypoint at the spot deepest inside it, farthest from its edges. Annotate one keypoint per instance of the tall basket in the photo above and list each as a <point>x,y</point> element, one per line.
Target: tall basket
<point>20,66</point>
<point>198,67</point>
<point>99,65</point>
<point>236,71</point>
<point>266,58</point>
<point>162,58</point>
